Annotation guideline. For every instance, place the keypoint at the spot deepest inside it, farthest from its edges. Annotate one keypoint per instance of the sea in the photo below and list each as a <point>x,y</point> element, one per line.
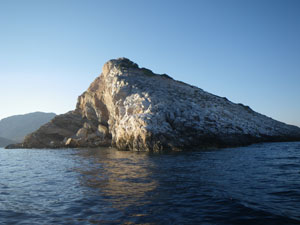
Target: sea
<point>258,184</point>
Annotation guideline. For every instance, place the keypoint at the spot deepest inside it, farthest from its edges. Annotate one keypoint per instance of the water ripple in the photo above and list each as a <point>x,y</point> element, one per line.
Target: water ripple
<point>258,184</point>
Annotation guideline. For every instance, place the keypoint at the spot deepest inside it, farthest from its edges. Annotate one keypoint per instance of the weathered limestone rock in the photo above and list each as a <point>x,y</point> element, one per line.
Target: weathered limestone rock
<point>102,131</point>
<point>134,109</point>
<point>72,143</point>
<point>82,133</point>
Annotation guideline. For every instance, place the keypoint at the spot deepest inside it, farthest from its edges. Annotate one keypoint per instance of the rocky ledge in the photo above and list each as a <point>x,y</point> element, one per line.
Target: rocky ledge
<point>132,108</point>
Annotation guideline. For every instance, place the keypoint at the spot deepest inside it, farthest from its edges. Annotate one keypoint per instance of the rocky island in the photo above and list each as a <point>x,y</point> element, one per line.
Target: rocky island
<point>132,108</point>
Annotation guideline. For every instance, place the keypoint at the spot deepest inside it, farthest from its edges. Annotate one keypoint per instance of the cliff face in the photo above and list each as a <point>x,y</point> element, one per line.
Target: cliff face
<point>134,109</point>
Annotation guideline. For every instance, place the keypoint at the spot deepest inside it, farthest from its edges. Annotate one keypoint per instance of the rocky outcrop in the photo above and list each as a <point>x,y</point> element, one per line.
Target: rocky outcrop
<point>132,108</point>
<point>67,130</point>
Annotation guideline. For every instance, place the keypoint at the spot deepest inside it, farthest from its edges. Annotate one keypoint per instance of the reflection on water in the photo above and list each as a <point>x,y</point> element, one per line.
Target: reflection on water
<point>122,178</point>
<point>258,184</point>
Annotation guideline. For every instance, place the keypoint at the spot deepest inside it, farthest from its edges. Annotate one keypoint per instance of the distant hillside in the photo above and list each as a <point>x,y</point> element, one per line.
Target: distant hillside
<point>4,142</point>
<point>15,128</point>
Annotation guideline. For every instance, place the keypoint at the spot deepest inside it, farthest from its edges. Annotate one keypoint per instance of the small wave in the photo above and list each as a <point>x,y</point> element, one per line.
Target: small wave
<point>289,166</point>
<point>290,193</point>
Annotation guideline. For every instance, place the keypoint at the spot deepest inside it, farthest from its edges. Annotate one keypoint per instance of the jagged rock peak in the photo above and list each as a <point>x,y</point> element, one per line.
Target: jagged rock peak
<point>126,65</point>
<point>123,62</point>
<point>133,108</point>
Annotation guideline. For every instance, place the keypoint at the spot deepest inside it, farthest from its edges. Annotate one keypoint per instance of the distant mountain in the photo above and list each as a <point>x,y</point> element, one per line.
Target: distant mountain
<point>4,142</point>
<point>15,128</point>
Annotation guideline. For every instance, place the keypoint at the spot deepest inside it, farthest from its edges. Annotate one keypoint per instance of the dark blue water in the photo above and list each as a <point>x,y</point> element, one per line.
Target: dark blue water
<point>259,184</point>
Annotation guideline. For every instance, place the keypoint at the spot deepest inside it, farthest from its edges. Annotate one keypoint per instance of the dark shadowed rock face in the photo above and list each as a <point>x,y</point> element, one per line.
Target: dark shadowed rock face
<point>70,130</point>
<point>135,109</point>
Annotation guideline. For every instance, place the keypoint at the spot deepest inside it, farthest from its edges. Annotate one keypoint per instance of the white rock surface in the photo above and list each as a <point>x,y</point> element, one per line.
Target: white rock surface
<point>135,109</point>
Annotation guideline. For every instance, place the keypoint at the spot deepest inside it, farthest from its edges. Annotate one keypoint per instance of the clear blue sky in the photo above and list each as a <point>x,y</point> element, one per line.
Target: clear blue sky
<point>247,51</point>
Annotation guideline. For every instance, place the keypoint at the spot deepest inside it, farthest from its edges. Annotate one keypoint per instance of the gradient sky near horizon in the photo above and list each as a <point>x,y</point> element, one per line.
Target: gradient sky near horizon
<point>247,51</point>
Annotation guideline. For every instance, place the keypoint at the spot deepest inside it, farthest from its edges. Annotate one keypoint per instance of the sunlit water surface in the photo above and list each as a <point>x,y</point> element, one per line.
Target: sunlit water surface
<point>259,184</point>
